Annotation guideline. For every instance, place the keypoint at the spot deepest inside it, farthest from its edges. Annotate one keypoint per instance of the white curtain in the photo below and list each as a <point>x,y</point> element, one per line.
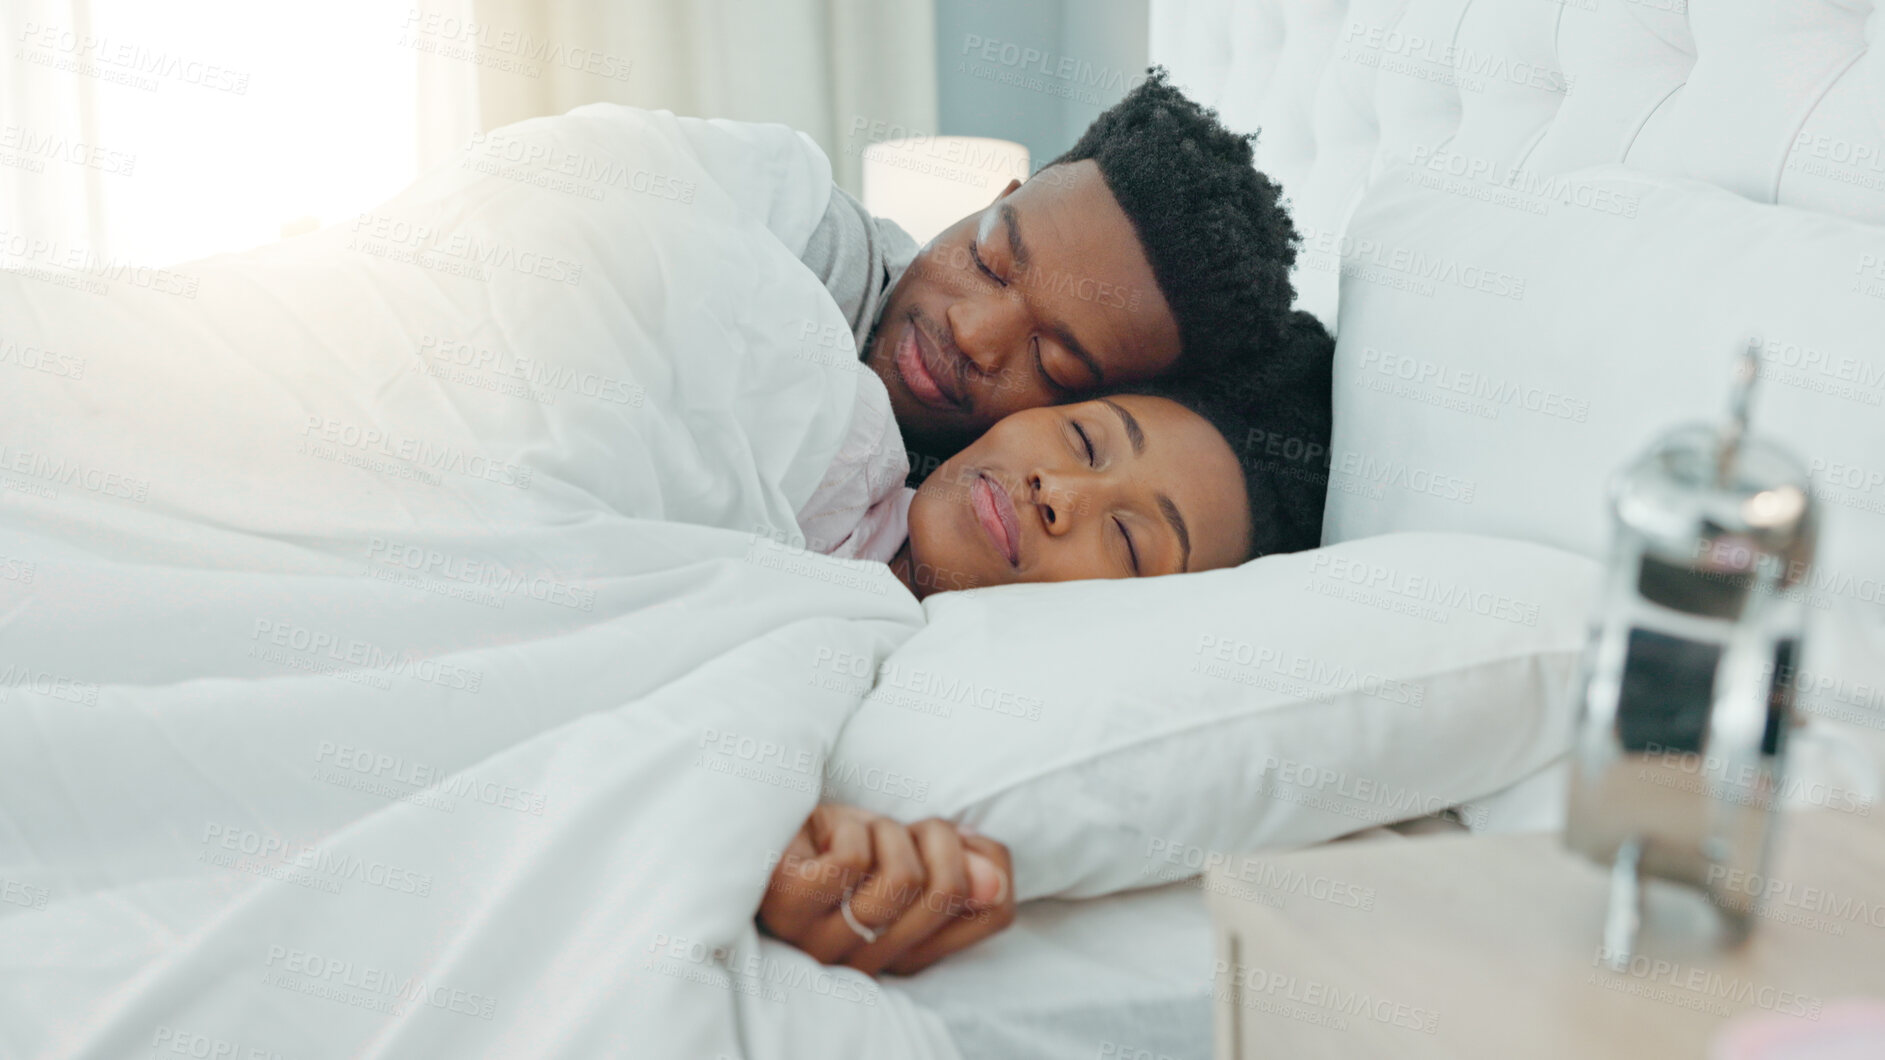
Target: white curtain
<point>64,201</point>
<point>837,69</point>
<point>154,131</point>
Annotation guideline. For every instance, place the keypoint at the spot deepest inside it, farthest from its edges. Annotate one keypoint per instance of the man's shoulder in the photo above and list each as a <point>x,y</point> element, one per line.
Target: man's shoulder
<point>859,258</point>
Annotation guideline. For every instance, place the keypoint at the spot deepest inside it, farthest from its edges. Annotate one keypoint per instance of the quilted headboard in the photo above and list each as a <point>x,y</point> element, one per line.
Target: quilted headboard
<point>1415,124</point>
<point>1780,101</point>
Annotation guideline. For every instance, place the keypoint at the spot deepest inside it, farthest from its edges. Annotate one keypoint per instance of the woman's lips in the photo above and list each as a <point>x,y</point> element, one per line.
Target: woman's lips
<point>994,509</point>
<point>914,369</point>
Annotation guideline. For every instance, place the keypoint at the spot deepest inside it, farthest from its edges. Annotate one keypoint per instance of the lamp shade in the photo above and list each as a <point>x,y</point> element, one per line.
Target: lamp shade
<point>927,183</point>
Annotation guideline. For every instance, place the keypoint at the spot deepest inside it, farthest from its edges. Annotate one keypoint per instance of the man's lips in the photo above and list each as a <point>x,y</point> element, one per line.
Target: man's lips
<point>994,509</point>
<point>920,365</point>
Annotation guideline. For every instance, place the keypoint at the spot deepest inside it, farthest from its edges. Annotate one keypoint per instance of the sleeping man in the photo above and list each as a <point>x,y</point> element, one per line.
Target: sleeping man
<point>1108,340</point>
<point>1152,249</point>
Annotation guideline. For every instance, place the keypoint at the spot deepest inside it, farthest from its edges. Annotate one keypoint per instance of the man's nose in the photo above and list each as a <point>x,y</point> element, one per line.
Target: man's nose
<point>985,329</point>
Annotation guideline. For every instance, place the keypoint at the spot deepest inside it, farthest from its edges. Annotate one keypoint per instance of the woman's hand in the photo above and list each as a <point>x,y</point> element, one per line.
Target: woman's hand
<point>923,890</point>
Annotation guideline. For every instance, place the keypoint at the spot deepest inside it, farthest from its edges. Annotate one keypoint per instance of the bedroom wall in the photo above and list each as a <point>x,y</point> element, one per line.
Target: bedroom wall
<point>1039,72</point>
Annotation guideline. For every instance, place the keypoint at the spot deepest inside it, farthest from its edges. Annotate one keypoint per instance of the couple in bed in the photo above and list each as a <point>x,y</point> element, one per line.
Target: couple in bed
<point>1098,348</point>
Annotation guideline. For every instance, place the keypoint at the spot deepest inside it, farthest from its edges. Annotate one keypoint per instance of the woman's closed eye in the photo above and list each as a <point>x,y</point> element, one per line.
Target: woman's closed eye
<point>1132,549</point>
<point>1086,444</point>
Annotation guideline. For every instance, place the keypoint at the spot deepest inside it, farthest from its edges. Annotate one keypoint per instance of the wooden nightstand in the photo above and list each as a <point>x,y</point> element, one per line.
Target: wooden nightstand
<point>1464,947</point>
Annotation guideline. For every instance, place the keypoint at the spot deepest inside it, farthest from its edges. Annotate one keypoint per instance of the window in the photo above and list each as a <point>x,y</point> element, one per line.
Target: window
<point>157,133</point>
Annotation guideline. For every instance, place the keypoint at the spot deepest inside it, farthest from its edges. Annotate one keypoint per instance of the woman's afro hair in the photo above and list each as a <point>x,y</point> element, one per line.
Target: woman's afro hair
<point>1219,241</point>
<point>1276,418</point>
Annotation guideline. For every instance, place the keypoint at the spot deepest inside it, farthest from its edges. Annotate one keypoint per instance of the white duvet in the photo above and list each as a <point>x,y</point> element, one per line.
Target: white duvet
<point>403,650</point>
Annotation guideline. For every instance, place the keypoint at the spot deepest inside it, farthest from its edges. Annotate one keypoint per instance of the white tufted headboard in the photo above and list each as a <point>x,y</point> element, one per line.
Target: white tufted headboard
<point>1780,101</point>
<point>1428,149</point>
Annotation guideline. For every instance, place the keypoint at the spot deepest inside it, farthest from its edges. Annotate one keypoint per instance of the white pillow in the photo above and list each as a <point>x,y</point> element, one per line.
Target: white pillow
<point>1117,734</point>
<point>1520,347</point>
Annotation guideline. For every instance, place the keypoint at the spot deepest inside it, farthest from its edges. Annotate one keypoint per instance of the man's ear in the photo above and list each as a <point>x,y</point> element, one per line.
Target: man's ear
<point>1007,191</point>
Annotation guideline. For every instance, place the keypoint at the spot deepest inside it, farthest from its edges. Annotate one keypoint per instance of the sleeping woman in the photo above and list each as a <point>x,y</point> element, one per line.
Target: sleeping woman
<point>1162,480</point>
<point>1124,486</point>
<point>1178,464</point>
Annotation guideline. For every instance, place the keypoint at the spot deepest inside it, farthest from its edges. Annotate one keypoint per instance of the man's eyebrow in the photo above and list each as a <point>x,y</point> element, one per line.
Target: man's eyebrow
<point>1177,519</point>
<point>1018,250</point>
<point>1012,222</point>
<point>1134,433</point>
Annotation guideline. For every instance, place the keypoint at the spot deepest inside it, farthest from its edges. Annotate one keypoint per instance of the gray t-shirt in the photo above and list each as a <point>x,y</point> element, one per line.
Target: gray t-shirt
<point>859,258</point>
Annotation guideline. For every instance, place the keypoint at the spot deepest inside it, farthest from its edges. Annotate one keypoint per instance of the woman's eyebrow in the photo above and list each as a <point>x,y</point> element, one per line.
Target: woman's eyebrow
<point>1177,520</point>
<point>1134,433</point>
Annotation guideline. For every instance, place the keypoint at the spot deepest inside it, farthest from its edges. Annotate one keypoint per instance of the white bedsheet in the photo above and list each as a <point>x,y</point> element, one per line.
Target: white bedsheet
<point>438,745</point>
<point>1126,976</point>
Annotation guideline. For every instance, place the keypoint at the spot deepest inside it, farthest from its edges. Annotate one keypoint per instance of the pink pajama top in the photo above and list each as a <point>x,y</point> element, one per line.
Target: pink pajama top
<point>861,510</point>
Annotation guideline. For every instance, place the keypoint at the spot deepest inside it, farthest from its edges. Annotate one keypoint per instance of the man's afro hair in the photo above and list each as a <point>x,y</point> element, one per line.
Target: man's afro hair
<point>1276,419</point>
<point>1221,245</point>
<point>1219,241</point>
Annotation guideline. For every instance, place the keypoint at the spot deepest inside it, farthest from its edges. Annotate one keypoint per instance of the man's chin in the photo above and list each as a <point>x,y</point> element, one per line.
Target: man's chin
<point>923,436</point>
<point>929,435</point>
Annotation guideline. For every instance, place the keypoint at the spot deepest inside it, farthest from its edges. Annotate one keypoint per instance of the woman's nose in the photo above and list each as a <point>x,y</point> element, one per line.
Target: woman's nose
<point>1057,500</point>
